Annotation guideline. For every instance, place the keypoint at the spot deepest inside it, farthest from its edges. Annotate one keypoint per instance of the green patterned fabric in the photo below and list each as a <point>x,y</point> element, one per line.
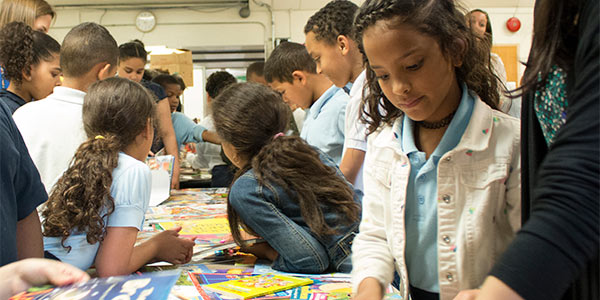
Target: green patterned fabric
<point>551,103</point>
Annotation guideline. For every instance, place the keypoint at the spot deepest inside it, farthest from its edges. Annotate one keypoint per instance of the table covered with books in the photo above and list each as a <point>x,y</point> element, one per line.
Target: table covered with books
<point>202,214</point>
<point>217,271</point>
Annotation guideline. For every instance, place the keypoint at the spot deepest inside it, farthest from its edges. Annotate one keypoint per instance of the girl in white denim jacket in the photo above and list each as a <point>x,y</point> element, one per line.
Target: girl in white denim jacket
<point>442,171</point>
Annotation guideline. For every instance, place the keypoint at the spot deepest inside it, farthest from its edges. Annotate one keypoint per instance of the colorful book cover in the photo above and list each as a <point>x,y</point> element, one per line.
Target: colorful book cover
<point>323,289</point>
<point>201,279</point>
<point>256,286</point>
<point>155,285</point>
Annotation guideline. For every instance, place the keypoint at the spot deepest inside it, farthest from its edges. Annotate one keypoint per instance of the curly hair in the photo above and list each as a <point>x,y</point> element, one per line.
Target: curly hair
<point>441,20</point>
<point>248,115</point>
<point>22,48</point>
<point>332,20</point>
<point>287,58</point>
<point>217,82</point>
<point>118,110</point>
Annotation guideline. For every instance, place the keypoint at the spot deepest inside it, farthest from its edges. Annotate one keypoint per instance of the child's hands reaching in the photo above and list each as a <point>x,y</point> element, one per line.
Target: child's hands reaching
<point>171,248</point>
<point>369,289</point>
<point>23,274</point>
<point>261,250</point>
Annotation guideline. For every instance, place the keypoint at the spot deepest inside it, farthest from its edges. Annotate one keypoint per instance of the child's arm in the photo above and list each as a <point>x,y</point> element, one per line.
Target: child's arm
<point>371,257</point>
<point>167,134</point>
<point>189,132</point>
<point>351,163</point>
<point>211,137</point>
<point>29,237</point>
<point>118,256</point>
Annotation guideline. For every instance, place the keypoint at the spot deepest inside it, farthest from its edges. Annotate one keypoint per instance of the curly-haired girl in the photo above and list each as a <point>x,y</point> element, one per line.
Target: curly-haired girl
<point>442,169</point>
<point>286,191</point>
<point>31,62</point>
<point>97,207</point>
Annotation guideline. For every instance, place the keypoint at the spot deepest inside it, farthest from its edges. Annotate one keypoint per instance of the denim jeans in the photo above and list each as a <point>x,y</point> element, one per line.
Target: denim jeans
<point>276,217</point>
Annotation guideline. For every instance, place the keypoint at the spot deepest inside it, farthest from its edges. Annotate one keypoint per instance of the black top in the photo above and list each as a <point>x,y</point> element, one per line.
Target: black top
<point>555,255</point>
<point>11,100</point>
<point>156,89</point>
<point>21,189</point>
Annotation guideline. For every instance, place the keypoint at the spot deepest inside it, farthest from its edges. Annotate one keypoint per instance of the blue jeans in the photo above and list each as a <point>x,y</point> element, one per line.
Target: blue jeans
<point>273,215</point>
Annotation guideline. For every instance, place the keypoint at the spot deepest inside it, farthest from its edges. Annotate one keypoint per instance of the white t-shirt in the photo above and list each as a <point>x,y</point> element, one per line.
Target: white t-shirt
<point>130,190</point>
<point>52,129</point>
<point>356,131</point>
<point>207,155</point>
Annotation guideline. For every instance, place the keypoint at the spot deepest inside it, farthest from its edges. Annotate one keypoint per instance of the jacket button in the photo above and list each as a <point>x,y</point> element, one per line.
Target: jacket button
<point>446,198</point>
<point>450,277</point>
<point>446,239</point>
<point>449,158</point>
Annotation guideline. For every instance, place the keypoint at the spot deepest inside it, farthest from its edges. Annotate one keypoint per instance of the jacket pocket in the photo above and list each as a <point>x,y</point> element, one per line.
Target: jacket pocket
<point>482,175</point>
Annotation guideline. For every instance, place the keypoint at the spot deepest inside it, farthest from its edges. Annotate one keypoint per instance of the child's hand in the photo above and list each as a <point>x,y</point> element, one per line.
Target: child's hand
<point>261,250</point>
<point>172,248</point>
<point>23,274</point>
<point>467,295</point>
<point>369,289</point>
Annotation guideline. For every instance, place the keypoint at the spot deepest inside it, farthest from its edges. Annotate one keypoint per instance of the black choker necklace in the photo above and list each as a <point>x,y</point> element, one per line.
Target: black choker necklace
<point>437,125</point>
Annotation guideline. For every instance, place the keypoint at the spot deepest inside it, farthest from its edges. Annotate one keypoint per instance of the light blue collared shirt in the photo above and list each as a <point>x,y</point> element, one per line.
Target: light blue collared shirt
<point>421,196</point>
<point>324,124</point>
<point>186,131</point>
<point>130,190</point>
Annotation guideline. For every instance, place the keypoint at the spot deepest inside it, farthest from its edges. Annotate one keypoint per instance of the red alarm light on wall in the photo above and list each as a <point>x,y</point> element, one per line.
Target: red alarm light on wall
<point>513,24</point>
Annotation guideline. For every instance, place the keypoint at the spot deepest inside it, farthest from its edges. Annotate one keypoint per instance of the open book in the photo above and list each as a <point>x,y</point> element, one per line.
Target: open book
<point>161,168</point>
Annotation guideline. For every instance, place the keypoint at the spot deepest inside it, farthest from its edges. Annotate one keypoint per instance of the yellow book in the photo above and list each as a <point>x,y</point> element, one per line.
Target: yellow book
<point>256,286</point>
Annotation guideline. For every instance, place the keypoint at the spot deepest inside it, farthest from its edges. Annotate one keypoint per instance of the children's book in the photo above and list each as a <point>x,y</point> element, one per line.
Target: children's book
<point>256,286</point>
<point>323,289</point>
<point>161,169</point>
<point>156,285</point>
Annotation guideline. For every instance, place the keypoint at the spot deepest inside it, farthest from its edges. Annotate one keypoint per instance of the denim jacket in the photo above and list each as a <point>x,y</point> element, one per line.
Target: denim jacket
<point>479,204</point>
<point>276,217</point>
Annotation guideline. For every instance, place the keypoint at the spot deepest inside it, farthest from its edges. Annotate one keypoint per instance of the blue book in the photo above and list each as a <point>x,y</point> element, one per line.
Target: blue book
<point>151,286</point>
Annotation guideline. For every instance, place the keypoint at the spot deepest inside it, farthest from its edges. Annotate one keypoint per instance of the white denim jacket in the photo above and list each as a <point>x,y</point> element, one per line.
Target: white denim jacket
<point>479,204</point>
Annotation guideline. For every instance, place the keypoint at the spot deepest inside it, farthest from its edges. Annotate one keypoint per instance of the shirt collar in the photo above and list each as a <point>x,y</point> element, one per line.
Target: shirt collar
<point>62,93</point>
<point>359,83</point>
<point>316,107</point>
<point>453,134</point>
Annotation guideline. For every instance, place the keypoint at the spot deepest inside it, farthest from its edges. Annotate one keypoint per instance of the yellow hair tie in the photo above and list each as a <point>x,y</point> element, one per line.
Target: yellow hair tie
<point>99,137</point>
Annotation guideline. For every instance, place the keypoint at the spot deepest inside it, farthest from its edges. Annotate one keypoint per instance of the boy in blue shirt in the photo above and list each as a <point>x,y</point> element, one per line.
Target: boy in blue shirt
<point>292,72</point>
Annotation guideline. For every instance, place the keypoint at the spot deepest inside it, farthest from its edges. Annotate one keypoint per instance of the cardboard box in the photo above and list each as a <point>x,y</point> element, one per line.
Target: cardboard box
<point>186,71</point>
<point>177,61</point>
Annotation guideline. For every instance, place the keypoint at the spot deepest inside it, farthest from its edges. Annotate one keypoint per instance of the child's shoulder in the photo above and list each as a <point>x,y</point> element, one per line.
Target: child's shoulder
<point>129,168</point>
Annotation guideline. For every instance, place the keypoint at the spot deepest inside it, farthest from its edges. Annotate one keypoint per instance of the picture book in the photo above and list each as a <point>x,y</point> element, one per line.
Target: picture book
<point>161,169</point>
<point>256,286</point>
<point>212,231</point>
<point>323,289</point>
<point>156,285</point>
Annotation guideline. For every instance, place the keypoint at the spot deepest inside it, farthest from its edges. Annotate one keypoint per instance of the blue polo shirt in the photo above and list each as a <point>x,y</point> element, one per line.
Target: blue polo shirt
<point>21,189</point>
<point>186,131</point>
<point>324,124</point>
<point>130,190</point>
<point>11,100</point>
<point>421,196</point>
